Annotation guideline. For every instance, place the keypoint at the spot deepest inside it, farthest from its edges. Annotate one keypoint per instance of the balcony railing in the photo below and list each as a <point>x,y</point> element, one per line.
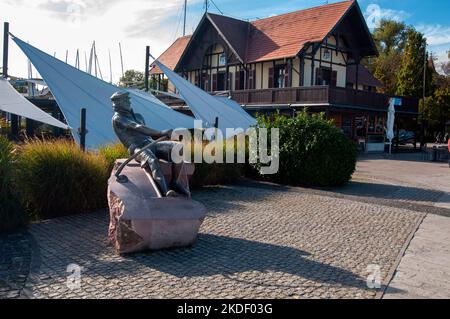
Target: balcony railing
<point>316,95</point>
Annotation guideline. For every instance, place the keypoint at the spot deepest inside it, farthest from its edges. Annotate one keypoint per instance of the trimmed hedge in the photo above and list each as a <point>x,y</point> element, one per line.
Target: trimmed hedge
<point>11,213</point>
<point>313,152</point>
<point>56,179</point>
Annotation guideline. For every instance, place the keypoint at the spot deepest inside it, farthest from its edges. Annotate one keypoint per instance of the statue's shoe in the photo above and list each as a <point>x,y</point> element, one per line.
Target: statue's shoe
<point>181,189</point>
<point>172,194</point>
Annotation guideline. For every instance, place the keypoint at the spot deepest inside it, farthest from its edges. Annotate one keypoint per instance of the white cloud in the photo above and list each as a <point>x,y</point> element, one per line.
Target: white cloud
<point>435,34</point>
<point>60,25</point>
<point>374,13</point>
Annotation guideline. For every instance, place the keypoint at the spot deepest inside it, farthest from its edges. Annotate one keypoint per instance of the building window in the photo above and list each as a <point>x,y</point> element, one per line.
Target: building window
<point>222,59</point>
<point>325,76</point>
<point>279,76</point>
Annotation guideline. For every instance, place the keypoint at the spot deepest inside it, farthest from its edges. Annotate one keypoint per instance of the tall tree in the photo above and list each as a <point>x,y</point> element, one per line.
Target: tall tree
<point>385,69</point>
<point>410,75</point>
<point>437,110</point>
<point>132,78</point>
<point>390,38</point>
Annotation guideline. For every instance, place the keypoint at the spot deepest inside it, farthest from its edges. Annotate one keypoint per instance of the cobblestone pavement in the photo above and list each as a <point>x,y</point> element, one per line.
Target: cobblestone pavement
<point>259,241</point>
<point>15,262</point>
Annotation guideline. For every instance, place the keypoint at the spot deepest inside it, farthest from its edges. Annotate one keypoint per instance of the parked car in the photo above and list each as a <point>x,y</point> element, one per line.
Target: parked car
<point>405,137</point>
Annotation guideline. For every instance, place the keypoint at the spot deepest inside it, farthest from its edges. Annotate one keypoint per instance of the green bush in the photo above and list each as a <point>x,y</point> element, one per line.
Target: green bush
<point>312,151</point>
<point>11,212</point>
<point>56,179</point>
<point>215,173</point>
<point>113,152</point>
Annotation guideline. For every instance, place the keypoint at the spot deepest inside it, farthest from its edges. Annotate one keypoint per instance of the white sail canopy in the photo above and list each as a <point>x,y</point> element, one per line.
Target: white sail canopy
<point>74,89</point>
<point>13,102</point>
<point>207,107</point>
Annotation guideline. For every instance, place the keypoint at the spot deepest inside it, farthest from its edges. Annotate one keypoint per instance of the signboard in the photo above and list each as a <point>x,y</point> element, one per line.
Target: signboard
<point>397,101</point>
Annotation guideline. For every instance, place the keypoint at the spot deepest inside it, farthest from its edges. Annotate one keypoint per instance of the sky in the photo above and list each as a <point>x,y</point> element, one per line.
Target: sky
<point>60,26</point>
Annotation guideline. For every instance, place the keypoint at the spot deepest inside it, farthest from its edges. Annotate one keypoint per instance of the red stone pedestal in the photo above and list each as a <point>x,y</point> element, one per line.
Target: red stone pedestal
<point>140,219</point>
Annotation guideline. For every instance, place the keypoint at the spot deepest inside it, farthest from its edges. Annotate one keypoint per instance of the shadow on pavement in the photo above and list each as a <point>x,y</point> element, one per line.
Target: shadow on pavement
<point>220,255</point>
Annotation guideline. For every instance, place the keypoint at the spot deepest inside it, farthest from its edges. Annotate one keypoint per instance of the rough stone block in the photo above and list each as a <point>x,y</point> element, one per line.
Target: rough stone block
<point>140,219</point>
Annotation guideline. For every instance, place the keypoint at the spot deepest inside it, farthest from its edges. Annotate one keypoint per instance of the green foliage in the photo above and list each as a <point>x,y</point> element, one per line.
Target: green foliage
<point>215,173</point>
<point>133,79</point>
<point>312,151</point>
<point>390,36</point>
<point>113,152</point>
<point>390,39</point>
<point>400,63</point>
<point>11,212</point>
<point>410,76</point>
<point>386,69</point>
<point>56,179</point>
<point>437,109</point>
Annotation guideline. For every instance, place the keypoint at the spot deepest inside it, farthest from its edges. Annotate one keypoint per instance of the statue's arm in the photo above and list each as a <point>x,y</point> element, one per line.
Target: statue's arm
<point>131,125</point>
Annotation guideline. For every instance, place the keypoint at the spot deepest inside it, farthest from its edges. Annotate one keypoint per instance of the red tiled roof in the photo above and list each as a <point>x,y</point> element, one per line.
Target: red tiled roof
<point>172,55</point>
<point>271,38</point>
<point>285,35</point>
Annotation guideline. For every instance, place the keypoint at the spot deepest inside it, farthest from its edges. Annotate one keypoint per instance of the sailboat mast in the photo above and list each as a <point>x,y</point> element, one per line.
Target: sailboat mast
<point>121,58</point>
<point>77,60</point>
<point>85,61</point>
<point>110,68</point>
<point>90,59</point>
<point>95,59</point>
<point>30,76</point>
<point>184,24</point>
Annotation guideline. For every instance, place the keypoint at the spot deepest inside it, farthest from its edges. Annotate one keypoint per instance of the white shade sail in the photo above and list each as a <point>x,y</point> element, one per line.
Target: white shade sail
<point>74,89</point>
<point>207,107</point>
<point>13,102</point>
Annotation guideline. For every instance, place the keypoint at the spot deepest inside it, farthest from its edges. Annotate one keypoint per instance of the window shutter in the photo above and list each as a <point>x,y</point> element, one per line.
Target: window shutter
<point>196,79</point>
<point>334,78</point>
<point>214,82</point>
<point>271,78</point>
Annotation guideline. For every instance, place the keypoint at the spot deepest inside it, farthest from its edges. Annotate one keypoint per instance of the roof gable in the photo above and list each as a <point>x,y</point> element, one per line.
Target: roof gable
<point>171,56</point>
<point>233,31</point>
<point>285,35</point>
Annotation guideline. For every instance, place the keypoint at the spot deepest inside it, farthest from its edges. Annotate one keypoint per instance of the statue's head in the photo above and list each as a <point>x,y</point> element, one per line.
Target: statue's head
<point>121,102</point>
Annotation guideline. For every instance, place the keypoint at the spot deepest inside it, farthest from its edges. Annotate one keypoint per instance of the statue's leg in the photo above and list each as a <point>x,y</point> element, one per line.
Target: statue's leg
<point>152,164</point>
<point>180,182</point>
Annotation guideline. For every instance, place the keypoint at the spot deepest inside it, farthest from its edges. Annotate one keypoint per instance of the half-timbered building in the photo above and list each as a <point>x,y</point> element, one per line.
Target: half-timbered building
<point>308,58</point>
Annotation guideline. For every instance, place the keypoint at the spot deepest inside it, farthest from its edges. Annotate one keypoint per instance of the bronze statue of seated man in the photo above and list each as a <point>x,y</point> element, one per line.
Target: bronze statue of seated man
<point>133,133</point>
